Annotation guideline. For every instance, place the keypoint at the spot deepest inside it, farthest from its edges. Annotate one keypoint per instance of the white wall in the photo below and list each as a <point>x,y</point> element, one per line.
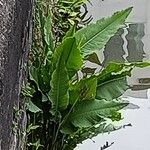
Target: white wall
<point>140,14</point>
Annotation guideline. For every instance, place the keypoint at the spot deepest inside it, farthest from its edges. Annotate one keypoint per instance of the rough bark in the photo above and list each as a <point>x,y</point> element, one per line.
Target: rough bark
<point>15,21</point>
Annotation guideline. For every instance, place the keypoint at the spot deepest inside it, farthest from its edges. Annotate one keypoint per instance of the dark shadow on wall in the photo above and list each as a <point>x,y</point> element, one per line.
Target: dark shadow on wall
<point>132,51</point>
<point>114,50</point>
<point>135,44</point>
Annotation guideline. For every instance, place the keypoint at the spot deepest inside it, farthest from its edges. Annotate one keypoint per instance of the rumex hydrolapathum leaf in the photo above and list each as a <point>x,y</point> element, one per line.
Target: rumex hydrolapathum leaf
<point>70,54</point>
<point>95,36</point>
<point>67,57</point>
<point>112,82</point>
<point>92,112</point>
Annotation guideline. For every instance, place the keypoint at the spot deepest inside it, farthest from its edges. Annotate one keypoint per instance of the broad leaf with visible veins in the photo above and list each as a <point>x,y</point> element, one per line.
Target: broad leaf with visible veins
<point>91,112</point>
<point>95,36</point>
<point>111,82</point>
<point>67,57</point>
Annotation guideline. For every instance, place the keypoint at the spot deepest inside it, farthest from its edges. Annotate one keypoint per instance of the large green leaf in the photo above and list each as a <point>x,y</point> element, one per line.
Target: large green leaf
<point>89,113</point>
<point>111,89</point>
<point>66,57</point>
<point>95,36</point>
<point>71,54</point>
<point>59,87</point>
<point>112,80</point>
<point>85,89</point>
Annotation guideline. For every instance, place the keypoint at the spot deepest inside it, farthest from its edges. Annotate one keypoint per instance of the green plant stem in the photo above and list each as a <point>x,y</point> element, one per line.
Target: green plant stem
<point>63,121</point>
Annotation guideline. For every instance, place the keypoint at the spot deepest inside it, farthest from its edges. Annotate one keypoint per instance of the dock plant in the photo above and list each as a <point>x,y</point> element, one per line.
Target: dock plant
<point>65,107</point>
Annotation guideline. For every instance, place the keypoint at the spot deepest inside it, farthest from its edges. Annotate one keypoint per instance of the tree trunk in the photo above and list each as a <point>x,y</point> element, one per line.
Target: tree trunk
<point>15,36</point>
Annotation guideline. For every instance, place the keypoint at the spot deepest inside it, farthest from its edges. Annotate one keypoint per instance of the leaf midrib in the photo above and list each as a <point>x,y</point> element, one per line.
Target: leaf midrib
<point>107,82</point>
<point>70,50</point>
<point>58,84</point>
<point>112,22</point>
<point>98,109</point>
<point>58,90</point>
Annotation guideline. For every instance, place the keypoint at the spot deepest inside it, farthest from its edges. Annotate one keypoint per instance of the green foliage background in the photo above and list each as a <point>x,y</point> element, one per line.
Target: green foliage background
<point>63,107</point>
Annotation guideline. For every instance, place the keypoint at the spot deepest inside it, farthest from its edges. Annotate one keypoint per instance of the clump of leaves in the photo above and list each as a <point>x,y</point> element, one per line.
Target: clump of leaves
<point>68,13</point>
<point>63,107</point>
